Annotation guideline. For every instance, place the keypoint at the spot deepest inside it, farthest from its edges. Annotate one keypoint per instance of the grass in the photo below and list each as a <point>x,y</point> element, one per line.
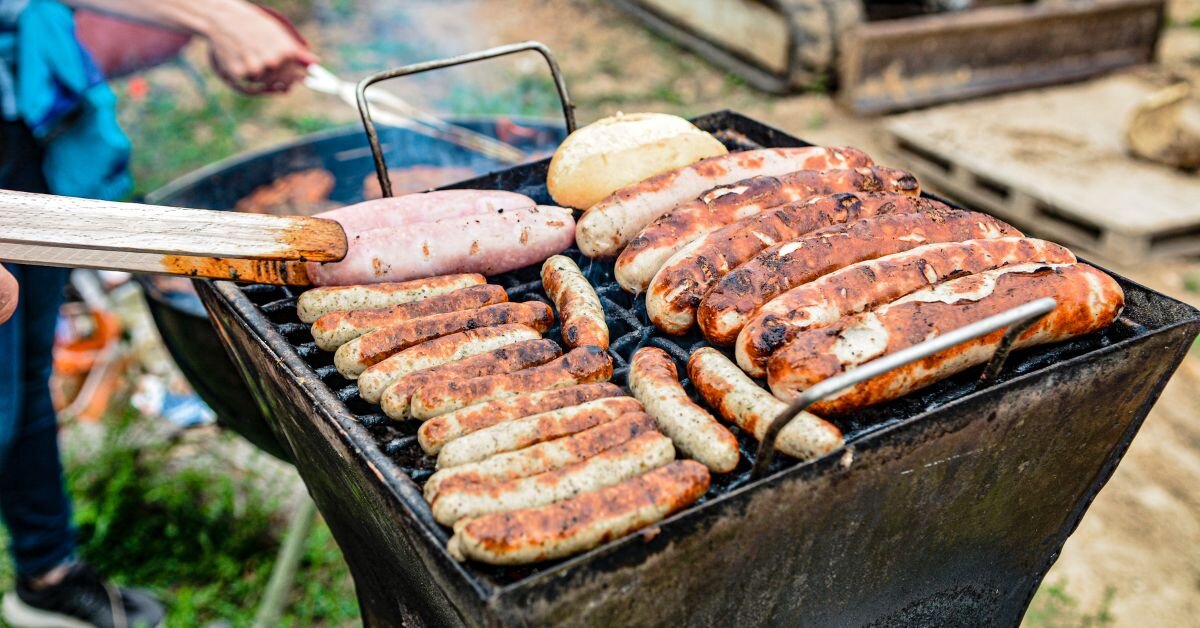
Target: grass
<point>202,539</point>
<point>1053,607</point>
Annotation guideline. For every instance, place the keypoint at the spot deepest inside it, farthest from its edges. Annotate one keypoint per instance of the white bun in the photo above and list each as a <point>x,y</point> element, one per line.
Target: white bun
<point>609,154</point>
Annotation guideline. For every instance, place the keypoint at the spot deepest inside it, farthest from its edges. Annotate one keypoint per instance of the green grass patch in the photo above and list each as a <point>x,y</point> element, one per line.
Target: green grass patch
<point>1053,607</point>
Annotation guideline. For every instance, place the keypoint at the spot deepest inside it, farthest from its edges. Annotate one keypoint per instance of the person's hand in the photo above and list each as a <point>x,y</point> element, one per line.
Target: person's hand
<point>253,47</point>
<point>8,294</point>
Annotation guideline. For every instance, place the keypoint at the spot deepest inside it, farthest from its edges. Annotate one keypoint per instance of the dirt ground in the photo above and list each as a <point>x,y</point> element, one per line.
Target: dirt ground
<point>1136,555</point>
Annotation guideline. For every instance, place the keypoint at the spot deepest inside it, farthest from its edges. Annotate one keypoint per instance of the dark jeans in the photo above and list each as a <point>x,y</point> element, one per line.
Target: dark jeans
<point>33,500</point>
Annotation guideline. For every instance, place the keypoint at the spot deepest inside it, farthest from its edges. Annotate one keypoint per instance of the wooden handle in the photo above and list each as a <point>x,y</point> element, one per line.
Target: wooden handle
<point>277,272</point>
<point>60,222</point>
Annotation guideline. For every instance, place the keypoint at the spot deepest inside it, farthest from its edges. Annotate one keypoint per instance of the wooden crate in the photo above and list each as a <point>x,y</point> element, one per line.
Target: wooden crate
<point>1053,163</point>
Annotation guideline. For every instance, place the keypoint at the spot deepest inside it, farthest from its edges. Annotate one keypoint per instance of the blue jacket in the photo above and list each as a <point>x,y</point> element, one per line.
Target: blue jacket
<point>58,91</point>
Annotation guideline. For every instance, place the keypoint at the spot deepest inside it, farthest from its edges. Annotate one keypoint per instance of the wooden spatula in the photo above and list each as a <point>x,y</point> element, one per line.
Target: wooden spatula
<point>81,233</point>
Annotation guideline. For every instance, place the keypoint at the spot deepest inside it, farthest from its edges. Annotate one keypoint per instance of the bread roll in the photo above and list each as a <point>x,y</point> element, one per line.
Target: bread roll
<point>611,153</point>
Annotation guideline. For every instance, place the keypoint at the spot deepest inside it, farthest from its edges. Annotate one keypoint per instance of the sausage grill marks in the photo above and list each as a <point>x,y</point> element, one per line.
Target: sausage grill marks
<point>337,328</point>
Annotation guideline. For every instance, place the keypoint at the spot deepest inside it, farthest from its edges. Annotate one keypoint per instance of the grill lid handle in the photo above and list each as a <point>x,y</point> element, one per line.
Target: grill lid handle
<point>1017,320</point>
<point>385,180</point>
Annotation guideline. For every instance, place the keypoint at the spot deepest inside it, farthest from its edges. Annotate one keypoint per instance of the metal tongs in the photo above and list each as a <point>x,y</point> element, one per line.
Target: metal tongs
<point>395,111</point>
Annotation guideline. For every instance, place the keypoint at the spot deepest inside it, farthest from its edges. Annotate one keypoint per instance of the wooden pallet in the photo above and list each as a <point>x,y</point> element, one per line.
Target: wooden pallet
<point>1053,163</point>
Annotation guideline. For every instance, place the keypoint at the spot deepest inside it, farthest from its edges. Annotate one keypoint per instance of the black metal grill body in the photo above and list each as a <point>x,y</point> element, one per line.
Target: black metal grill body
<point>946,506</point>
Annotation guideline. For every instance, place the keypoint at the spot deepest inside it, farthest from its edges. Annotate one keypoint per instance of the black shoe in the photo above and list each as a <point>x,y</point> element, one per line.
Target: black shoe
<point>82,600</point>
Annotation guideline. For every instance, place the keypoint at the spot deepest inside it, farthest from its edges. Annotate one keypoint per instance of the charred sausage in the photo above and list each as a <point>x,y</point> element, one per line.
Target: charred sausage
<point>315,303</point>
<point>606,227</point>
<point>1087,298</point>
<point>543,457</point>
<point>642,453</point>
<point>721,206</point>
<point>438,431</point>
<point>337,328</point>
<point>578,305</point>
<point>531,430</point>
<point>737,296</point>
<point>356,356</point>
<point>872,283</point>
<point>580,366</point>
<point>507,359</point>
<point>654,381</point>
<point>581,523</point>
<point>727,389</point>
<point>678,287</point>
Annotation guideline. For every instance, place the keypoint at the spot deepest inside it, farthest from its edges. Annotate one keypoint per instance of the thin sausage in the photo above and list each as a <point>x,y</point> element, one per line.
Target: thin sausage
<point>654,381</point>
<point>531,430</point>
<point>647,451</point>
<point>337,328</point>
<point>1087,299</point>
<point>737,296</point>
<point>438,431</point>
<point>543,457</point>
<point>678,287</point>
<point>727,389</point>
<point>578,305</point>
<point>507,359</point>
<point>581,523</point>
<point>356,356</point>
<point>872,283</point>
<point>315,303</point>
<point>606,227</point>
<point>580,366</point>
<point>721,206</point>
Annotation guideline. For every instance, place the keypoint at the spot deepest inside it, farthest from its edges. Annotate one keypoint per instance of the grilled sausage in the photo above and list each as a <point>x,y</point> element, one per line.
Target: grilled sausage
<point>647,451</point>
<point>654,381</point>
<point>737,296</point>
<point>724,205</point>
<point>464,344</point>
<point>507,359</point>
<point>678,287</point>
<point>315,303</point>
<point>606,227</point>
<point>726,388</point>
<point>374,347</point>
<point>489,243</point>
<point>543,457</point>
<point>581,523</point>
<point>531,430</point>
<point>872,283</point>
<point>438,431</point>
<point>578,305</point>
<point>580,366</point>
<point>1087,298</point>
<point>337,328</point>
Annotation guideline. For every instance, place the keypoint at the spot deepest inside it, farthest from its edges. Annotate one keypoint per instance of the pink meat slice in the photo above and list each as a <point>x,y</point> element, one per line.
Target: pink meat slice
<point>401,211</point>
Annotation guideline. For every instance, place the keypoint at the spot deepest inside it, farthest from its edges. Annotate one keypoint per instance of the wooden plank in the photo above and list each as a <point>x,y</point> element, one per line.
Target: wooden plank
<point>900,64</point>
<point>748,27</point>
<point>66,222</point>
<point>1054,162</point>
<point>275,272</point>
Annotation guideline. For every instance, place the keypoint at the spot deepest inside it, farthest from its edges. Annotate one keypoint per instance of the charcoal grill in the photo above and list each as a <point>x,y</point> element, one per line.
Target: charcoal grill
<point>947,506</point>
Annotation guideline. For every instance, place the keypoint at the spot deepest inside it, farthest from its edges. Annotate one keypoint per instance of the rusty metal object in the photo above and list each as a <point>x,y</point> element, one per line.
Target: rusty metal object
<point>947,505</point>
<point>901,64</point>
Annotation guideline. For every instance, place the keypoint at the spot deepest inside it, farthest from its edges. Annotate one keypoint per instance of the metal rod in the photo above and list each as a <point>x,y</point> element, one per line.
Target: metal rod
<point>364,111</point>
<point>1018,318</point>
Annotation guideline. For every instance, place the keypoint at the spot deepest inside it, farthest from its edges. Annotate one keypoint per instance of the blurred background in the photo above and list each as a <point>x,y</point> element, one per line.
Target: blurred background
<point>1054,100</point>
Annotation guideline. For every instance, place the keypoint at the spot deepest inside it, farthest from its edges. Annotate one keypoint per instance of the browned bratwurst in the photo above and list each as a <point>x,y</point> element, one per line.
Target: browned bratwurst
<point>317,302</point>
<point>506,359</point>
<point>337,328</point>
<point>438,431</point>
<point>580,366</point>
<point>730,304</point>
<point>723,205</point>
<point>578,305</point>
<point>682,282</point>
<point>582,522</point>
<point>355,356</point>
<point>871,283</point>
<point>1087,299</point>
